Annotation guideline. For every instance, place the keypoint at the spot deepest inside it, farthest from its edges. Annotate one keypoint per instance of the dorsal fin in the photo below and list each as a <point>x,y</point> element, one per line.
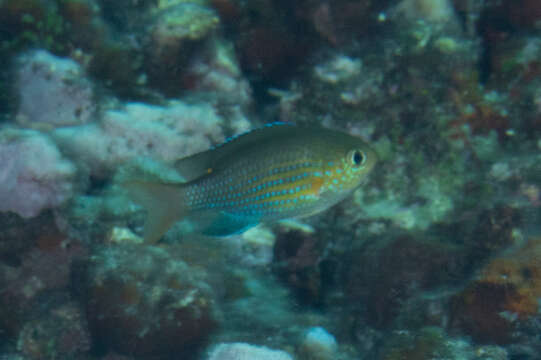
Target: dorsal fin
<point>204,163</point>
<point>195,166</point>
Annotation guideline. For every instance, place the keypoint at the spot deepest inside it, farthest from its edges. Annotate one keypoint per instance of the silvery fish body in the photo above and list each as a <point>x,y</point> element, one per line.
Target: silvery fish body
<point>276,172</point>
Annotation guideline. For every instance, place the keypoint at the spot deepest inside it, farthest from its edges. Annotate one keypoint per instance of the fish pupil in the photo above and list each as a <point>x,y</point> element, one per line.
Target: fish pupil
<point>358,157</point>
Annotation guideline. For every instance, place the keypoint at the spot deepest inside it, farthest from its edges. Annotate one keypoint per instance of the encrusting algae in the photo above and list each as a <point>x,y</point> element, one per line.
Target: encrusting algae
<point>279,171</point>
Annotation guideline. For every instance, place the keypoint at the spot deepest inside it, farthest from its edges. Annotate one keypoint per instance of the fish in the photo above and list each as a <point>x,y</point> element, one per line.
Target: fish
<point>275,172</point>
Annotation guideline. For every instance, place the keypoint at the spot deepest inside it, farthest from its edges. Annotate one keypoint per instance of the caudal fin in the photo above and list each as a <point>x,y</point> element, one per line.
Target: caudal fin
<point>165,205</point>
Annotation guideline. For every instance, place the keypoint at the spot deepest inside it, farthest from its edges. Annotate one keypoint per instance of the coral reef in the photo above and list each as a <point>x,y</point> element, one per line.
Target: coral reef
<point>30,23</point>
<point>435,11</point>
<point>504,295</point>
<point>297,258</point>
<point>406,267</point>
<point>140,130</point>
<point>215,72</point>
<point>496,229</point>
<point>46,267</point>
<point>254,247</point>
<point>34,174</point>
<point>434,256</point>
<point>430,342</point>
<point>19,234</point>
<point>62,334</point>
<point>52,91</point>
<point>176,29</point>
<point>143,301</point>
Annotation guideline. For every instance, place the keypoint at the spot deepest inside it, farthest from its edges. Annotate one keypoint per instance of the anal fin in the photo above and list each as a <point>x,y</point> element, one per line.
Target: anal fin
<point>224,224</point>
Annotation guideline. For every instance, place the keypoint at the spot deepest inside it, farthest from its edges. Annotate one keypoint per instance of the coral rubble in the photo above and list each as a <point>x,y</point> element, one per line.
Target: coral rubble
<point>138,308</point>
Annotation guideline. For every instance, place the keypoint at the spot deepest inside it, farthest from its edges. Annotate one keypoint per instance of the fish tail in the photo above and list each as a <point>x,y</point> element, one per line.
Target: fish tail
<point>165,205</point>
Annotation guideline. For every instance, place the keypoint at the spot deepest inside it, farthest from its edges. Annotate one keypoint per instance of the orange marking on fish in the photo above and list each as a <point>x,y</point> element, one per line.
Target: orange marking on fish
<point>317,183</point>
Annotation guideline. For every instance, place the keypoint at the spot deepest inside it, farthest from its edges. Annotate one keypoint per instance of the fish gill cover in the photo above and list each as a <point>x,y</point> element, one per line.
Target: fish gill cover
<point>432,252</point>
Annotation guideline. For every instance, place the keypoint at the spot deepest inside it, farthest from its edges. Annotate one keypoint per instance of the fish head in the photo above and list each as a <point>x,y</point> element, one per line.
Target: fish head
<point>347,162</point>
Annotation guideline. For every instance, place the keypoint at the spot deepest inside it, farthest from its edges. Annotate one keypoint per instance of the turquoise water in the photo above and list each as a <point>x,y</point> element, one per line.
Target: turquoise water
<point>434,256</point>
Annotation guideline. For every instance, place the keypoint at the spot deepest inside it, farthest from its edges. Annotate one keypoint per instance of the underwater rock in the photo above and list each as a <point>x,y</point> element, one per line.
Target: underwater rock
<point>479,309</point>
<point>338,22</point>
<point>176,30</point>
<point>43,269</point>
<point>62,27</point>
<point>229,10</point>
<point>30,23</point>
<point>19,235</point>
<point>384,276</point>
<point>15,14</point>
<point>144,301</point>
<point>256,305</point>
<point>513,68</point>
<point>296,260</point>
<point>424,344</point>
<point>503,27</point>
<point>524,13</point>
<point>501,300</point>
<point>214,72</point>
<point>318,344</point>
<point>477,112</point>
<point>270,40</point>
<point>140,130</point>
<point>510,15</point>
<point>119,65</point>
<point>52,91</point>
<point>495,229</point>
<point>338,69</point>
<point>434,343</point>
<point>435,11</point>
<point>61,333</point>
<point>242,351</point>
<point>114,356</point>
<point>85,28</point>
<point>126,14</point>
<point>254,247</point>
<point>34,175</point>
<point>432,28</point>
<point>270,53</point>
<point>337,80</point>
<point>274,39</point>
<point>118,235</point>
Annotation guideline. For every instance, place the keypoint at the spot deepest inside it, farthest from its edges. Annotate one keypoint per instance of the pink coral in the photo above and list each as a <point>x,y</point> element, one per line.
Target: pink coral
<point>53,91</point>
<point>34,176</point>
<point>139,130</point>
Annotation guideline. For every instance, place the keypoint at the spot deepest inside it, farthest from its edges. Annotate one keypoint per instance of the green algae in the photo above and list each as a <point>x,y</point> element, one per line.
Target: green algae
<point>187,21</point>
<point>31,23</point>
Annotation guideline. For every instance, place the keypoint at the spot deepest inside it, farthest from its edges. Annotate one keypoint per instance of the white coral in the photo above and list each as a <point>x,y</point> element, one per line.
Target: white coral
<point>140,130</point>
<point>242,351</point>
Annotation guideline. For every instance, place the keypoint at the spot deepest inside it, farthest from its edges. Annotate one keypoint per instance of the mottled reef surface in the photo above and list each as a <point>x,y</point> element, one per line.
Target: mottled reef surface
<point>436,256</point>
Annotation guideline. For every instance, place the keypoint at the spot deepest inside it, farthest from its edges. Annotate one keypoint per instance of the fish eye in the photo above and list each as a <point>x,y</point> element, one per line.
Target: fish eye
<point>357,157</point>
